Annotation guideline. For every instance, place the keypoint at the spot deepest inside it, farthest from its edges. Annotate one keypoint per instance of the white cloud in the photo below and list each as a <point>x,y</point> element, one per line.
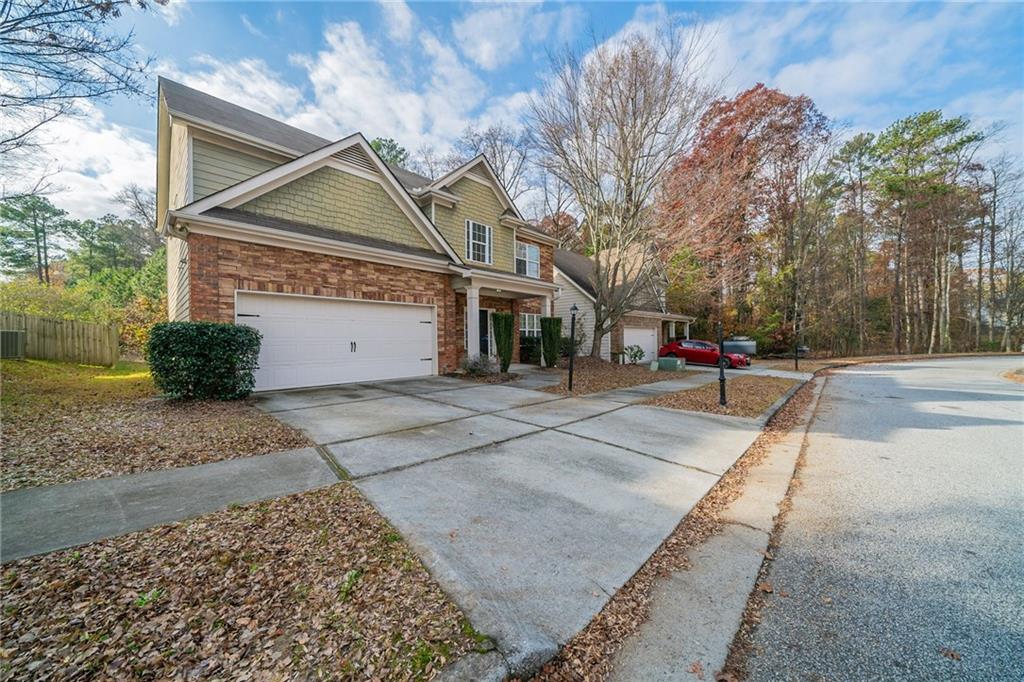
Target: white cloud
<point>96,158</point>
<point>172,11</point>
<point>247,82</point>
<point>356,88</point>
<point>998,110</point>
<point>399,20</point>
<point>251,27</point>
<point>494,35</point>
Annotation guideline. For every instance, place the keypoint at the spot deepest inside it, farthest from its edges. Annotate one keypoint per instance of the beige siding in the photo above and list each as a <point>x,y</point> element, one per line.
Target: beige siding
<point>177,279</point>
<point>331,198</point>
<point>585,317</point>
<point>480,204</point>
<point>180,181</point>
<point>215,167</point>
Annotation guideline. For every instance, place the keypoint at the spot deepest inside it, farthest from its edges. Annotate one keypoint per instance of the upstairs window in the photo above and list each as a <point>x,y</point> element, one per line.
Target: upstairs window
<point>527,259</point>
<point>478,242</point>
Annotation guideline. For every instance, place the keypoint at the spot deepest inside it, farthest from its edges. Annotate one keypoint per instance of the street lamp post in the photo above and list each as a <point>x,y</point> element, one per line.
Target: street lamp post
<point>572,340</point>
<point>721,367</point>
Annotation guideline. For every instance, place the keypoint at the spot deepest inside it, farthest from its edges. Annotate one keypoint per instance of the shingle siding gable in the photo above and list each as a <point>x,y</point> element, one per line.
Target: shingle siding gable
<point>336,200</point>
<point>479,203</point>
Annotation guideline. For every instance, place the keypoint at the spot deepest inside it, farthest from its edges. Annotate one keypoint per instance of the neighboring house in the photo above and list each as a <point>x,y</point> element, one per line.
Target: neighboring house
<point>353,270</point>
<point>647,324</point>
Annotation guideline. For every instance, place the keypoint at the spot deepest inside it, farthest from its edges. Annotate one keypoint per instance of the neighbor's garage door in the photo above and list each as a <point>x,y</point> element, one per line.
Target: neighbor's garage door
<point>312,341</point>
<point>643,337</point>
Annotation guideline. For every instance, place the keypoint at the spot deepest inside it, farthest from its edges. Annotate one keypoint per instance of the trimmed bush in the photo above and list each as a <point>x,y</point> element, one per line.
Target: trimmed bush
<point>503,333</point>
<point>550,339</point>
<point>478,366</point>
<point>203,360</point>
<point>529,349</point>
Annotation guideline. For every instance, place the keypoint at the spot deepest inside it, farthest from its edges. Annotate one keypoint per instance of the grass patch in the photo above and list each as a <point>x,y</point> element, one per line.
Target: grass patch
<point>748,396</point>
<point>35,384</point>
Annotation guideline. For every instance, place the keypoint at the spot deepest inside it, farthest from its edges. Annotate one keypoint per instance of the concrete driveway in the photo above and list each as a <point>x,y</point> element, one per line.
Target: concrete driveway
<point>530,509</point>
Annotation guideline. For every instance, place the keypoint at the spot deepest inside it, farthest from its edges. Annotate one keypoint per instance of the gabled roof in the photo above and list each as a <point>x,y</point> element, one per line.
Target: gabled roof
<point>218,114</point>
<point>479,161</point>
<point>579,269</point>
<point>241,192</point>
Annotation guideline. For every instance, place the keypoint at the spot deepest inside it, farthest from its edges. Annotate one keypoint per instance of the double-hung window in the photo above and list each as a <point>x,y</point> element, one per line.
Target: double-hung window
<point>529,324</point>
<point>478,242</point>
<point>527,259</point>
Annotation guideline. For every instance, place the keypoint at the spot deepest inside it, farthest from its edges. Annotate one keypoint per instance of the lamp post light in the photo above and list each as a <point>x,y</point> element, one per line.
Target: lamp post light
<point>572,340</point>
<point>721,367</point>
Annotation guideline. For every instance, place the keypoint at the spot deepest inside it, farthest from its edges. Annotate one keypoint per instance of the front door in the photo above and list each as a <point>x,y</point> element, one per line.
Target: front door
<point>485,338</point>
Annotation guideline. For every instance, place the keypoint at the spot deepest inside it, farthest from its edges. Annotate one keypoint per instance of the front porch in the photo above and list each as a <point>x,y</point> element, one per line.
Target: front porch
<point>480,294</point>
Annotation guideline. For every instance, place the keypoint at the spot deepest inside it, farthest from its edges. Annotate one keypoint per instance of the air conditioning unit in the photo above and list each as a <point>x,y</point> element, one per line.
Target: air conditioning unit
<point>12,345</point>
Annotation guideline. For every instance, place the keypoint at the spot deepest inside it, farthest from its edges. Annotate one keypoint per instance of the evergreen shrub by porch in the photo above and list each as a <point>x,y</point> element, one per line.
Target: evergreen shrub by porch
<point>529,349</point>
<point>503,334</point>
<point>203,360</point>
<point>550,339</point>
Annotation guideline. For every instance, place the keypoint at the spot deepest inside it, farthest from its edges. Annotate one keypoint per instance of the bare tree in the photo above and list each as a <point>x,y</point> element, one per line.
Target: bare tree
<point>427,162</point>
<point>140,204</point>
<point>55,54</point>
<point>507,149</point>
<point>609,123</point>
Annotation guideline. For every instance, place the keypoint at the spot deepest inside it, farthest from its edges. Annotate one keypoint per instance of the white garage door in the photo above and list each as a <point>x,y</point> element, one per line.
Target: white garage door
<point>312,341</point>
<point>643,337</point>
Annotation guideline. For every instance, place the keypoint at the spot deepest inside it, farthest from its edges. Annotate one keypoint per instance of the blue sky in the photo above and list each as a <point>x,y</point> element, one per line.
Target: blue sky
<point>421,72</point>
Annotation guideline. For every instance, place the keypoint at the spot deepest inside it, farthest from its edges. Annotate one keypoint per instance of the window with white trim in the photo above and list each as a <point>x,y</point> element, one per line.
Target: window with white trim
<point>527,259</point>
<point>529,324</point>
<point>478,242</point>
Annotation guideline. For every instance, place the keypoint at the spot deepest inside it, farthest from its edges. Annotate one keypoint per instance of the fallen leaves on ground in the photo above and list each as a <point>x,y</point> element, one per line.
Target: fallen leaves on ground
<point>315,585</point>
<point>1015,375</point>
<point>950,654</point>
<point>493,378</point>
<point>748,396</point>
<point>64,422</point>
<point>593,375</point>
<point>589,655</point>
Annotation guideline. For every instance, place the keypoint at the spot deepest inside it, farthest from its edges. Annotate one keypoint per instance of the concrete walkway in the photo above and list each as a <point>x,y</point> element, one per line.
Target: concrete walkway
<point>530,509</point>
<point>39,520</point>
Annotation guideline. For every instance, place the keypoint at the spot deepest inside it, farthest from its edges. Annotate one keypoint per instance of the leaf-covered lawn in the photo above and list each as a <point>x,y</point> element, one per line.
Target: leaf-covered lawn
<point>591,375</point>
<point>746,396</point>
<point>315,585</point>
<point>64,422</point>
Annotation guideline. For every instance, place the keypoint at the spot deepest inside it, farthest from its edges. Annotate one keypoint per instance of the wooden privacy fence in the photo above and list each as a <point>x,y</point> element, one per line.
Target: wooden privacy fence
<point>85,343</point>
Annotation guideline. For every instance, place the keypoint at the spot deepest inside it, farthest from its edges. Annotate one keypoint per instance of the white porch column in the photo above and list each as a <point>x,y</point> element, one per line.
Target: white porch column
<point>687,330</point>
<point>547,311</point>
<point>672,329</point>
<point>472,322</point>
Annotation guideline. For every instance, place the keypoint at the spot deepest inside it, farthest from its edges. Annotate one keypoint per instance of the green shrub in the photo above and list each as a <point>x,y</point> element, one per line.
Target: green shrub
<point>633,353</point>
<point>203,360</point>
<point>529,349</point>
<point>550,335</point>
<point>503,332</point>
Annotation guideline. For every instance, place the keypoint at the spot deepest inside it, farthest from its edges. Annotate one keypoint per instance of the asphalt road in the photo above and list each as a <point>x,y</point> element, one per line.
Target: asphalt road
<point>904,548</point>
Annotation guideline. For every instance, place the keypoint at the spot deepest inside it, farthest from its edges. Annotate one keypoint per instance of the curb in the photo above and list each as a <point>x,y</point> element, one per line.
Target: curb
<point>494,665</point>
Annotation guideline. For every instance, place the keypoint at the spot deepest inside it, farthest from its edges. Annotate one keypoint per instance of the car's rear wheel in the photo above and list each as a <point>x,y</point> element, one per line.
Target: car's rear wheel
<point>671,355</point>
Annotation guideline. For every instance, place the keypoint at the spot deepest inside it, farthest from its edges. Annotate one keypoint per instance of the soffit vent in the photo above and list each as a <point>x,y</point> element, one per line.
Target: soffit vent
<point>355,156</point>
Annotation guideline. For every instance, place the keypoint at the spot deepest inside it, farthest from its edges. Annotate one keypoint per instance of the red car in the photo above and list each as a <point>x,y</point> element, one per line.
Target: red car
<point>702,353</point>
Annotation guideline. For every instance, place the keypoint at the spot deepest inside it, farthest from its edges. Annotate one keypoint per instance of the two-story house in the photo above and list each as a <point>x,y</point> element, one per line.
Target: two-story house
<point>352,270</point>
<point>647,324</point>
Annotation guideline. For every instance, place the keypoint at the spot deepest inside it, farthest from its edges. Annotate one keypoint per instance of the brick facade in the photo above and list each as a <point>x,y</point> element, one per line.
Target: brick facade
<point>618,331</point>
<point>218,267</point>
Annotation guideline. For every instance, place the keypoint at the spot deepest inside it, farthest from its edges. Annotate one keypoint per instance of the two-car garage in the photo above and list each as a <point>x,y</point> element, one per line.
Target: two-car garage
<point>318,341</point>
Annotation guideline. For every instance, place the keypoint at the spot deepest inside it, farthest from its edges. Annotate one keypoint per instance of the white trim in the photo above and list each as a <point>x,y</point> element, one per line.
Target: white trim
<point>432,306</point>
<point>470,241</point>
<point>526,260</point>
<point>660,316</point>
<point>457,174</point>
<point>286,172</point>
<point>258,234</point>
<point>575,286</point>
<point>231,132</point>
